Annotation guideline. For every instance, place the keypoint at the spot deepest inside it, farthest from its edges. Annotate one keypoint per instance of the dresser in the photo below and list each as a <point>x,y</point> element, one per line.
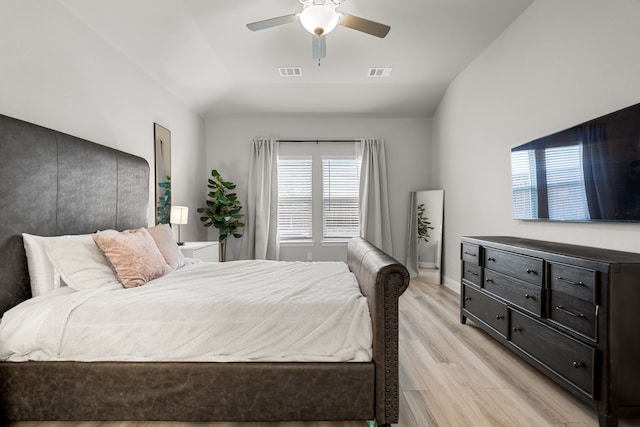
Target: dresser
<point>204,251</point>
<point>573,312</point>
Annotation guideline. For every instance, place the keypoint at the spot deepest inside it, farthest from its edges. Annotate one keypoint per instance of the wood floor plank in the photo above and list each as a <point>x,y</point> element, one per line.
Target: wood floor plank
<point>422,414</point>
<point>414,365</point>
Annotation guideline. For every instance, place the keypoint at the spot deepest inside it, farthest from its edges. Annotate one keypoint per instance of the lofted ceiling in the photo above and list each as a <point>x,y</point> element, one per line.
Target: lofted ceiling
<point>202,52</point>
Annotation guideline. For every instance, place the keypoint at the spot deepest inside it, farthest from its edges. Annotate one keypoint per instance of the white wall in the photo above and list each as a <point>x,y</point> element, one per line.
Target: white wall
<point>559,64</point>
<point>407,150</point>
<point>57,73</point>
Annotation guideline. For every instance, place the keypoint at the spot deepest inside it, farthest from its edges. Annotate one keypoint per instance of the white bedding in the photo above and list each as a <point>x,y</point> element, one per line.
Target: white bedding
<point>233,311</point>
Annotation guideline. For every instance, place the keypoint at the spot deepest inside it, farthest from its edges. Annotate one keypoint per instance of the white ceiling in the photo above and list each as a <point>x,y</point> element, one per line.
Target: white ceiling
<point>203,53</point>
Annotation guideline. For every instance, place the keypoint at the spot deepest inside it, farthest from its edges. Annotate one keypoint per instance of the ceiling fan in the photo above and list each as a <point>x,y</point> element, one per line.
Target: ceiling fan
<point>319,17</point>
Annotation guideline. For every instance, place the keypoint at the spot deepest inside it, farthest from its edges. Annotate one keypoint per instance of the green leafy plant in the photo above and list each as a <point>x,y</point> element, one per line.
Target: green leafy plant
<point>423,224</point>
<point>222,210</point>
<point>163,211</point>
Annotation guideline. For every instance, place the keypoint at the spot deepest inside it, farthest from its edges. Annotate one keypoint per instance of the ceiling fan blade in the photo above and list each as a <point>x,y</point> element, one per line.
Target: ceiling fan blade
<point>360,24</point>
<point>319,46</point>
<point>273,22</point>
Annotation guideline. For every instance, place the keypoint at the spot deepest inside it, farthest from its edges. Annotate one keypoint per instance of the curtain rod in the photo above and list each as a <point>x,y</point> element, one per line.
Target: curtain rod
<point>318,141</point>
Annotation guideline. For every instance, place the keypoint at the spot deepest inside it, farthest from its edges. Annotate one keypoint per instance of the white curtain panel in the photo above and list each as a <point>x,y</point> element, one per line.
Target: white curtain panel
<point>260,240</point>
<point>412,236</point>
<point>375,222</point>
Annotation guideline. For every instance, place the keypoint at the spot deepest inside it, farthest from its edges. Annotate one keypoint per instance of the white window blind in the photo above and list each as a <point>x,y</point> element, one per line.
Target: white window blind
<point>340,198</point>
<point>295,202</point>
<point>524,184</point>
<point>565,183</point>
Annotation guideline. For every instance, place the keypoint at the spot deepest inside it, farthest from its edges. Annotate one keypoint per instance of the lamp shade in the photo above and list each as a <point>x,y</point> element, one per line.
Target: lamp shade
<point>319,19</point>
<point>179,214</point>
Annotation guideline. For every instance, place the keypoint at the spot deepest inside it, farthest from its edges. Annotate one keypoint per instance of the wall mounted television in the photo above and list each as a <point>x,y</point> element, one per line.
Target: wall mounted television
<point>590,172</point>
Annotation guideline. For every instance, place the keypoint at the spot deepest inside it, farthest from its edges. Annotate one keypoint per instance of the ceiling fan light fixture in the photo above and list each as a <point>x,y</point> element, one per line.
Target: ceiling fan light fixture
<point>319,19</point>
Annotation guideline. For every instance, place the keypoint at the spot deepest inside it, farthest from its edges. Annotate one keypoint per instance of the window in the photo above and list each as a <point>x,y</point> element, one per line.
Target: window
<point>318,195</point>
<point>340,198</point>
<point>549,183</point>
<point>524,184</point>
<point>565,183</point>
<point>295,202</point>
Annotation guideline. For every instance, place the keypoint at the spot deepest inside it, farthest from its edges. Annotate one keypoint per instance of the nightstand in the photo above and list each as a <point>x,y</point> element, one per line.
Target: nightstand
<point>204,251</point>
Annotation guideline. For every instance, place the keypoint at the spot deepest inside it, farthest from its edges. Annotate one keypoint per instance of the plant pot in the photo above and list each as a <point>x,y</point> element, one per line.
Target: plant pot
<point>223,251</point>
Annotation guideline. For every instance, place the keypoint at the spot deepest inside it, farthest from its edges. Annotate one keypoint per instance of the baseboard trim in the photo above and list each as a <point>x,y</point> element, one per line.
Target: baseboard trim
<point>454,285</point>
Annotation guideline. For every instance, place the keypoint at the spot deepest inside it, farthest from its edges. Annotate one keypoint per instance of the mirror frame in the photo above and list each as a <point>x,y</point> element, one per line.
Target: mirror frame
<point>420,254</point>
<point>162,149</point>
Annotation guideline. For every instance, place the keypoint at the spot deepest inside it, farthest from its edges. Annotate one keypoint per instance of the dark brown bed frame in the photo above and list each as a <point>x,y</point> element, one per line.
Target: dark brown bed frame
<point>53,184</point>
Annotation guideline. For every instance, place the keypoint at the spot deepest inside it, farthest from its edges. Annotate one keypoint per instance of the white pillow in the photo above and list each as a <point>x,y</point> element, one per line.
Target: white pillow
<point>79,261</point>
<point>43,276</point>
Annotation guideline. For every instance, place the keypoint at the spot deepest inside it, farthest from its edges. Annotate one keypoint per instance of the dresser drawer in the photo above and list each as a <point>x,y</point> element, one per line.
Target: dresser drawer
<point>471,253</point>
<point>578,282</point>
<point>521,267</point>
<point>489,310</point>
<point>575,314</point>
<point>516,292</point>
<point>472,273</point>
<point>567,357</point>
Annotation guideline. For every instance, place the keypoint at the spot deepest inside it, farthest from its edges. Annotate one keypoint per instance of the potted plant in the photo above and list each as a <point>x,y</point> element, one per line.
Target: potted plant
<point>163,211</point>
<point>423,230</point>
<point>222,211</point>
<point>423,224</point>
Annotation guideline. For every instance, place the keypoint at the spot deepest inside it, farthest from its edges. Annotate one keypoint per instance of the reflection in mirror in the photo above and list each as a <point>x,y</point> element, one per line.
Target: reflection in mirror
<point>163,173</point>
<point>424,243</point>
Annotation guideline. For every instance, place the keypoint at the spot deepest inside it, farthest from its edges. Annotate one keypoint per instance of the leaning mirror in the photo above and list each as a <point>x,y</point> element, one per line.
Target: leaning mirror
<point>424,241</point>
<point>163,173</point>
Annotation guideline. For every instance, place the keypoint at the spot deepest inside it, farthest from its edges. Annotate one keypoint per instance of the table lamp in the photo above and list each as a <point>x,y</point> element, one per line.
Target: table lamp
<point>179,215</point>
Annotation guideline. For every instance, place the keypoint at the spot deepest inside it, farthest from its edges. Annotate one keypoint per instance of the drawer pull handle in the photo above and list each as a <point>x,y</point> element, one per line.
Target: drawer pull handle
<point>530,271</point>
<point>472,273</point>
<point>570,313</point>
<point>499,317</point>
<point>470,253</point>
<point>491,259</point>
<point>577,364</point>
<point>488,280</point>
<point>467,298</point>
<point>516,329</point>
<point>571,282</point>
<point>527,296</point>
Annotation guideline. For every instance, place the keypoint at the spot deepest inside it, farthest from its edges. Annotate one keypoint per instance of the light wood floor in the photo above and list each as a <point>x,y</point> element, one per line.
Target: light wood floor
<point>450,375</point>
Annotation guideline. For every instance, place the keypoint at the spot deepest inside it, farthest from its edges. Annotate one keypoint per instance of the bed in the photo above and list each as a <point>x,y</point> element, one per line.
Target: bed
<point>55,184</point>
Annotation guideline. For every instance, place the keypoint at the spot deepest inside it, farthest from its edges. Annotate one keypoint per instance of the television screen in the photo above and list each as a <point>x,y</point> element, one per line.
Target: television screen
<point>590,172</point>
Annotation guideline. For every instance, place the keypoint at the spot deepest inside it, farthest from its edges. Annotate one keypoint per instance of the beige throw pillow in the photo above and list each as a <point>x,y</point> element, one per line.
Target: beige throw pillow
<point>163,236</point>
<point>133,255</point>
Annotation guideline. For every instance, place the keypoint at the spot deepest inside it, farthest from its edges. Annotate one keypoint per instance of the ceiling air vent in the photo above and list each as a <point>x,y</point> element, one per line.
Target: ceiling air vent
<point>379,72</point>
<point>290,71</point>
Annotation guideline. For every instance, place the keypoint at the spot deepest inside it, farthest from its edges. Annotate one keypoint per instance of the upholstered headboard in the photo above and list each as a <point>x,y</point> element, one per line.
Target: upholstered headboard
<point>51,184</point>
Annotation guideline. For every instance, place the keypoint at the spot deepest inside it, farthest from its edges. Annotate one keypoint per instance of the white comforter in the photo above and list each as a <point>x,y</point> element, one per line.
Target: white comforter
<point>233,311</point>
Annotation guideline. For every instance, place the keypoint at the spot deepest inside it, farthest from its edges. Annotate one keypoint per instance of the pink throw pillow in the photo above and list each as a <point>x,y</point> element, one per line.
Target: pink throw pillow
<point>133,255</point>
<point>163,236</point>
